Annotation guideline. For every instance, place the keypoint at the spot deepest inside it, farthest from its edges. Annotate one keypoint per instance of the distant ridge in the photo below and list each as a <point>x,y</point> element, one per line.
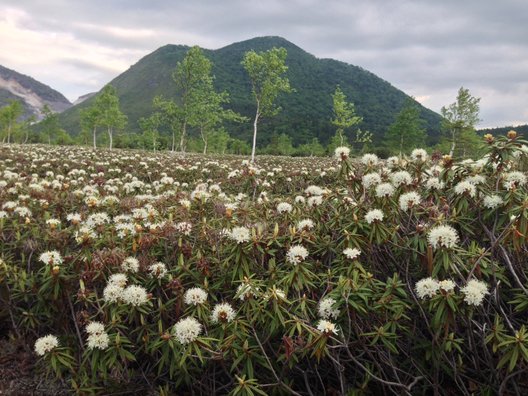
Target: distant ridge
<point>306,112</point>
<point>32,93</point>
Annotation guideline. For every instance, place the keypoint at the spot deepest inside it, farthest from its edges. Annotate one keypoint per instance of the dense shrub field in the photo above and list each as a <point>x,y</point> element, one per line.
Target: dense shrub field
<point>128,271</point>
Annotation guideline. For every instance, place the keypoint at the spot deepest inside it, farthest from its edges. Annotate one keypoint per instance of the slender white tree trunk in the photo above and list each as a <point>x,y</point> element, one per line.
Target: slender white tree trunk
<point>453,143</point>
<point>255,123</point>
<point>95,138</point>
<point>173,141</point>
<point>110,138</point>
<point>182,138</point>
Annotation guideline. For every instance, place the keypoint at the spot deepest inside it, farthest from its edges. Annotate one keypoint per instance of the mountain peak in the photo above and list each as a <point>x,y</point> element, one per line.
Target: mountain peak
<point>305,114</point>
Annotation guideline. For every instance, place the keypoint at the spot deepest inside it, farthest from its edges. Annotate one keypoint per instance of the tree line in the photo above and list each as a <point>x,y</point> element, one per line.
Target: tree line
<point>194,120</point>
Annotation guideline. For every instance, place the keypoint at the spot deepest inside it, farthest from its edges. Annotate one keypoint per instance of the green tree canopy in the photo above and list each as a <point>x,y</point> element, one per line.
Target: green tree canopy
<point>9,119</point>
<point>407,132</point>
<point>344,114</point>
<point>266,70</point>
<point>108,112</point>
<point>460,119</point>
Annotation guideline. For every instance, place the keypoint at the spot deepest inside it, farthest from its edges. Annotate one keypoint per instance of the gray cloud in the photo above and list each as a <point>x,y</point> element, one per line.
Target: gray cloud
<point>427,48</point>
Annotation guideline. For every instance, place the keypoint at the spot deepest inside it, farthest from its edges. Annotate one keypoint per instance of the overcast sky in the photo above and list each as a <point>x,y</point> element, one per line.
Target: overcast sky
<point>427,48</point>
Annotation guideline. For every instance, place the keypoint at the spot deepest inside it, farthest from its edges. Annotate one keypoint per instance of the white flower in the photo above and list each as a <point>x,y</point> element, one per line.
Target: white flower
<point>427,287</point>
<point>299,199</point>
<point>158,270</point>
<point>352,253</point>
<point>392,161</point>
<point>223,313</point>
<point>313,190</point>
<point>409,200</point>
<point>447,285</point>
<point>118,280</point>
<point>474,292</point>
<point>46,344</point>
<point>419,155</point>
<point>195,296</point>
<point>315,201</point>
<point>434,183</point>
<point>113,293</point>
<point>53,222</point>
<point>135,295</point>
<point>51,258</point>
<point>326,327</point>
<point>341,153</point>
<point>98,341</point>
<point>401,178</point>
<point>284,207</point>
<point>130,264</point>
<point>240,234</point>
<point>493,201</point>
<point>476,179</point>
<point>369,159</point>
<point>442,236</point>
<point>95,328</point>
<point>466,187</point>
<point>296,254</point>
<point>370,180</point>
<point>374,215</point>
<point>326,310</point>
<point>514,179</point>
<point>305,224</point>
<point>185,203</point>
<point>187,330</point>
<point>384,190</point>
<point>184,227</point>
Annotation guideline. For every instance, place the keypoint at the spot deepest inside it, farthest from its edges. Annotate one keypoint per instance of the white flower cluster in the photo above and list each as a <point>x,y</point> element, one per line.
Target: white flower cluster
<point>428,287</point>
<point>493,201</point>
<point>384,190</point>
<point>326,308</point>
<point>223,313</point>
<point>466,187</point>
<point>327,327</point>
<point>370,160</point>
<point>419,155</point>
<point>240,234</point>
<point>474,292</point>
<point>158,270</point>
<point>442,236</point>
<point>187,330</point>
<point>374,215</point>
<point>46,344</point>
<point>51,258</point>
<point>409,200</point>
<point>284,207</point>
<point>305,224</point>
<point>401,178</point>
<point>352,253</point>
<point>130,264</point>
<point>341,153</point>
<point>97,336</point>
<point>370,180</point>
<point>195,296</point>
<point>296,254</point>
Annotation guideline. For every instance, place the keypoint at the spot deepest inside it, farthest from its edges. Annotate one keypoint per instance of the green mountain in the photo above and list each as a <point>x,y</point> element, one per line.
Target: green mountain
<point>306,112</point>
<point>33,94</point>
<point>522,129</point>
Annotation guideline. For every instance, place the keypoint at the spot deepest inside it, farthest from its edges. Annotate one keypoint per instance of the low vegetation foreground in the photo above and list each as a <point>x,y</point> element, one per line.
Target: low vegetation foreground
<point>131,271</point>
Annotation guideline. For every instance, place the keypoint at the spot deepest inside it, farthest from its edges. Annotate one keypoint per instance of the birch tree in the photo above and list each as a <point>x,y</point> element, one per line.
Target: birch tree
<point>266,72</point>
